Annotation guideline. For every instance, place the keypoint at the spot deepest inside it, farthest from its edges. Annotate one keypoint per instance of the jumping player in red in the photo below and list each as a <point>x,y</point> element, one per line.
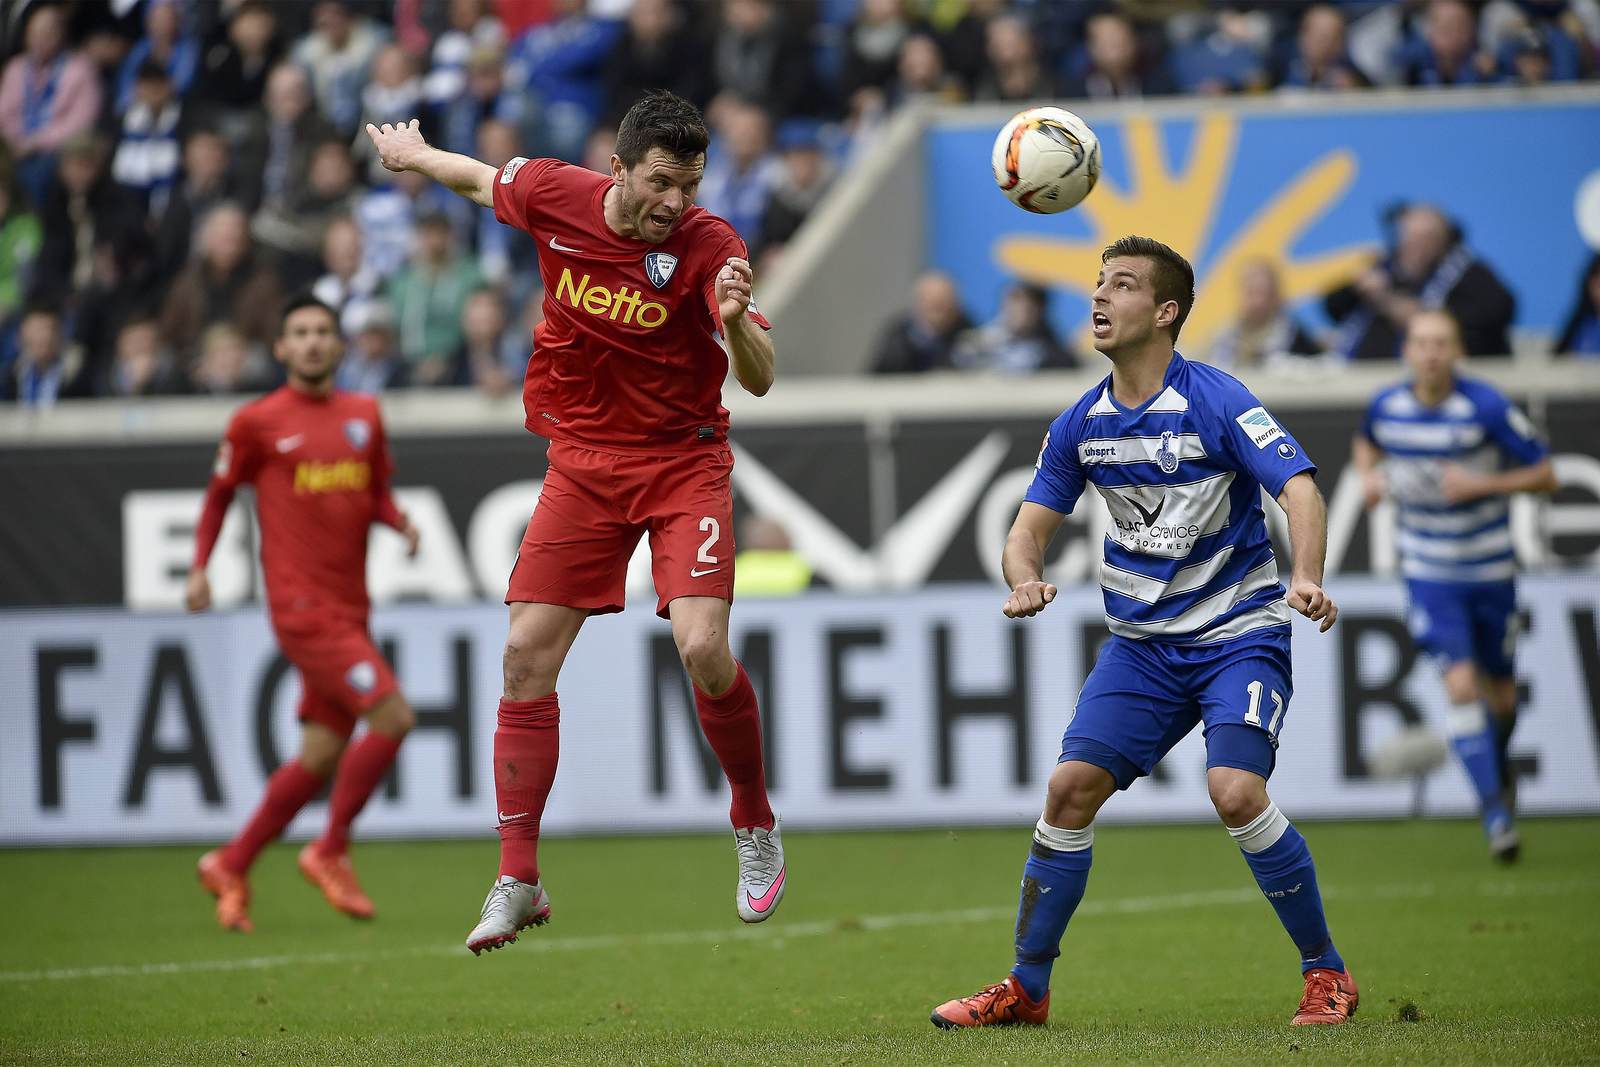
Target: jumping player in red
<point>319,462</point>
<point>626,381</point>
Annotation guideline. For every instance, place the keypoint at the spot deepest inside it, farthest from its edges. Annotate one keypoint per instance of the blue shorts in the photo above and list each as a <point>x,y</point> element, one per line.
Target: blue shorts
<point>1466,623</point>
<point>1143,697</point>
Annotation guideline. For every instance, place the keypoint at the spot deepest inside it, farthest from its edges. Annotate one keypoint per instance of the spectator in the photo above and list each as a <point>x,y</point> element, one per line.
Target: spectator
<point>394,95</point>
<point>493,361</point>
<point>1230,56</point>
<point>1320,60</point>
<point>387,217</point>
<point>228,363</point>
<point>657,50</point>
<point>1528,59</point>
<point>338,52</point>
<point>345,284</point>
<point>1112,66</point>
<point>48,96</point>
<point>1020,340</point>
<point>296,240</point>
<point>143,366</point>
<point>872,45</point>
<point>767,564</point>
<point>149,151</point>
<point>562,62</point>
<point>277,156</point>
<point>225,282</point>
<point>1581,335</point>
<point>20,241</point>
<point>599,149</point>
<point>741,171</point>
<point>1447,53</point>
<point>962,42</point>
<point>1265,332</point>
<point>485,98</point>
<point>1015,71</point>
<point>803,179</point>
<point>1430,266</point>
<point>168,44</point>
<point>46,369</point>
<point>504,254</point>
<point>233,72</point>
<point>428,298</point>
<point>1549,37</point>
<point>756,58</point>
<point>920,74</point>
<point>83,208</point>
<point>205,184</point>
<point>924,337</point>
<point>373,363</point>
<point>473,30</point>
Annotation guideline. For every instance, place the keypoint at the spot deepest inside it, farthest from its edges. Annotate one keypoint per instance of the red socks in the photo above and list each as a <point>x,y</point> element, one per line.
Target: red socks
<point>732,723</point>
<point>527,743</point>
<point>360,770</point>
<point>288,790</point>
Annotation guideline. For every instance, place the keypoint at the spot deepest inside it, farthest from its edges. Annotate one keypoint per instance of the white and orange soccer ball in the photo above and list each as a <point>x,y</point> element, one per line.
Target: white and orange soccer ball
<point>1046,160</point>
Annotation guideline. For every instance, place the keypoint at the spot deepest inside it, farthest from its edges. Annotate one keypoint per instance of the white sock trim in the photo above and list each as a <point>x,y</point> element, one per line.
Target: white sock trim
<point>1058,839</point>
<point>1467,719</point>
<point>1261,832</point>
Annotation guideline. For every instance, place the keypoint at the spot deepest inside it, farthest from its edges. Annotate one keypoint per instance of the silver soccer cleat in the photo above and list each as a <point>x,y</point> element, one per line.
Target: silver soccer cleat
<point>511,907</point>
<point>761,872</point>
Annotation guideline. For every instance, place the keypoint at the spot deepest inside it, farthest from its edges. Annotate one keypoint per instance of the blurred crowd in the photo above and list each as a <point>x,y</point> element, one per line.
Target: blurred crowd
<point>171,169</point>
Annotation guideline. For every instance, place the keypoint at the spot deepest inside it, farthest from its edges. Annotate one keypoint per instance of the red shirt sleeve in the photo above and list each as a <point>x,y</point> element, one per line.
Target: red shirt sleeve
<point>731,246</point>
<point>516,188</point>
<point>384,508</point>
<point>235,465</point>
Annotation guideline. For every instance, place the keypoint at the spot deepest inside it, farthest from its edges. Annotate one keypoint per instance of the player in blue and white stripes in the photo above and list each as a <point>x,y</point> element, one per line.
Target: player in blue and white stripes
<point>1200,623</point>
<point>1450,451</point>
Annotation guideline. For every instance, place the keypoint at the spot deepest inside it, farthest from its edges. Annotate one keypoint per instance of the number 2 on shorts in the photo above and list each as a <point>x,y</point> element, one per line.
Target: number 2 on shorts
<point>708,523</point>
<point>1253,715</point>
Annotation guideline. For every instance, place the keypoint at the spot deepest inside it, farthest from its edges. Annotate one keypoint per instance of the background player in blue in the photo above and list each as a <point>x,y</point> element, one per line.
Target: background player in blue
<point>1199,622</point>
<point>1452,451</point>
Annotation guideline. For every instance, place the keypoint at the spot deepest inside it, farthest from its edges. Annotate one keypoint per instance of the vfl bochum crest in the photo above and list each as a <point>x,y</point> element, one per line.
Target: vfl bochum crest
<point>658,267</point>
<point>1166,458</point>
<point>357,432</point>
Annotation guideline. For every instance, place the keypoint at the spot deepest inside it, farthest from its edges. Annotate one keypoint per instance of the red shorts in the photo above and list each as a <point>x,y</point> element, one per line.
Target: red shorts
<point>342,675</point>
<point>596,505</point>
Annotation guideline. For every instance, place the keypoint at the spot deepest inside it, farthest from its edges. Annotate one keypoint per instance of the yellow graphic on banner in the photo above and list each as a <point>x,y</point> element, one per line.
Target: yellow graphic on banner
<point>1180,210</point>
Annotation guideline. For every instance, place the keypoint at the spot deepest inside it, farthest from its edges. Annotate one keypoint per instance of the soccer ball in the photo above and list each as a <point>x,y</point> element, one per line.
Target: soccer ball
<point>1046,160</point>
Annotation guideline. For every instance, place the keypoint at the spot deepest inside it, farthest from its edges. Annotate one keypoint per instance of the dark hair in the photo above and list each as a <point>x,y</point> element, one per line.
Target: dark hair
<point>663,120</point>
<point>1171,276</point>
<point>1582,307</point>
<point>299,302</point>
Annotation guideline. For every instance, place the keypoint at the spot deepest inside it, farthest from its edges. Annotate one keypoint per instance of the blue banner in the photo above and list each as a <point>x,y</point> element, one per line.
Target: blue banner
<point>1305,189</point>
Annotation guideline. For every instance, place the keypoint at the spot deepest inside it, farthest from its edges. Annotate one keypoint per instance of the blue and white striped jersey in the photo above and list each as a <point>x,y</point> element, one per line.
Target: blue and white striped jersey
<point>1187,557</point>
<point>1475,427</point>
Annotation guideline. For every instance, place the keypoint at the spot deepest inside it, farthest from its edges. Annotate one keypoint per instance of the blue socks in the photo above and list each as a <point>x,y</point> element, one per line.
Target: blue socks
<point>1281,862</point>
<point>1477,745</point>
<point>1053,881</point>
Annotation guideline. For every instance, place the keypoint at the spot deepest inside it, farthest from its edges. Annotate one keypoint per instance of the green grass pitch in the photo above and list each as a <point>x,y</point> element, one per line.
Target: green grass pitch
<point>111,956</point>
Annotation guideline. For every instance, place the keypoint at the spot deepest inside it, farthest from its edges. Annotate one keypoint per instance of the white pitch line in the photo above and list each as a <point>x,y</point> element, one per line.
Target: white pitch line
<point>774,935</point>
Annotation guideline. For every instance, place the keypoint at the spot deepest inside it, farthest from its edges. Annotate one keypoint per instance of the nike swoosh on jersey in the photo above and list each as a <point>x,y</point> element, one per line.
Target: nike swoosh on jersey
<point>1150,517</point>
<point>701,574</point>
<point>559,247</point>
<point>289,444</point>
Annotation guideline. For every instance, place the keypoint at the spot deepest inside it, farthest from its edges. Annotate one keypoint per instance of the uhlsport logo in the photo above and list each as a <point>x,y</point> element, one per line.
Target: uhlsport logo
<point>658,267</point>
<point>626,306</point>
<point>1166,458</point>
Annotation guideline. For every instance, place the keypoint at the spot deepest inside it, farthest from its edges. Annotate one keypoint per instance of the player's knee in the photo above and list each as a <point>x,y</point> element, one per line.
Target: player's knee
<point>1238,797</point>
<point>1461,684</point>
<point>321,762</point>
<point>1075,794</point>
<point>393,717</point>
<point>528,672</point>
<point>705,655</point>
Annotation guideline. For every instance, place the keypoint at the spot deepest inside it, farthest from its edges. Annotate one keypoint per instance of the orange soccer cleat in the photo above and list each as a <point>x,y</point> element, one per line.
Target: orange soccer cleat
<point>231,890</point>
<point>1330,998</point>
<point>1002,1004</point>
<point>336,877</point>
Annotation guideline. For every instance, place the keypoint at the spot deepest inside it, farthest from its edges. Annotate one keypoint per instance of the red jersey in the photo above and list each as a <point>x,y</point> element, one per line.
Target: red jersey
<point>627,358</point>
<point>320,466</point>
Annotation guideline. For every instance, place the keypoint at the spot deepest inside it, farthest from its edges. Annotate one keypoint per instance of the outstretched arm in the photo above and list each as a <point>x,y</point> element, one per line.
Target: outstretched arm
<point>402,148</point>
<point>1308,540</point>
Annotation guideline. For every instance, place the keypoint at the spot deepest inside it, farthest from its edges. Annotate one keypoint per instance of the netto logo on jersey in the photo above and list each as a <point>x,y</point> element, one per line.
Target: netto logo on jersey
<point>342,476</point>
<point>627,306</point>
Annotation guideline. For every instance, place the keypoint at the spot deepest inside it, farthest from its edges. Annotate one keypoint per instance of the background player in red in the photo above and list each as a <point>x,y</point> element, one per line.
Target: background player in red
<point>626,381</point>
<point>319,462</point>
